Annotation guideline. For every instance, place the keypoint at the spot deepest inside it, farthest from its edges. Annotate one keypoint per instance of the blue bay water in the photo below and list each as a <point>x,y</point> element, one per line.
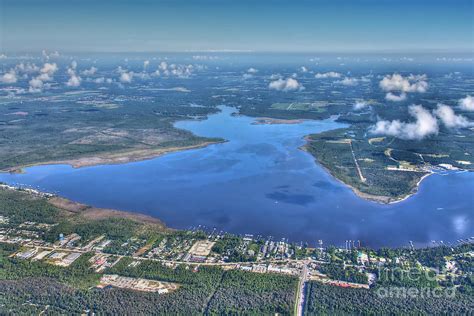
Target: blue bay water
<point>259,182</point>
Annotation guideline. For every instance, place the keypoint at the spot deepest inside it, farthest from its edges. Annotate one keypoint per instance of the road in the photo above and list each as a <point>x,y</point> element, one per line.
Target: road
<point>299,303</point>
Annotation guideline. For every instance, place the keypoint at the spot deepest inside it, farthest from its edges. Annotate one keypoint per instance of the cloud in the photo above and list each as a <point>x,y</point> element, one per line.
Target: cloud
<point>396,97</point>
<point>247,76</point>
<point>89,72</point>
<point>330,74</point>
<point>467,103</point>
<point>74,81</point>
<point>45,77</point>
<point>27,68</point>
<point>303,69</point>
<point>289,84</point>
<point>126,77</point>
<point>204,57</point>
<point>47,56</point>
<point>36,85</point>
<point>449,118</point>
<point>181,71</point>
<point>412,83</point>
<point>9,77</point>
<point>425,125</point>
<point>145,64</point>
<point>163,66</point>
<point>359,105</point>
<point>349,81</point>
<point>49,69</point>
<point>252,70</point>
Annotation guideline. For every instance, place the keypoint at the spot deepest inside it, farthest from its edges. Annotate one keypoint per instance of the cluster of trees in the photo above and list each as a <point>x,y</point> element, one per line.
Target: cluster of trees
<point>433,257</point>
<point>251,293</point>
<point>78,274</point>
<point>338,272</point>
<point>413,277</point>
<point>228,245</point>
<point>326,299</point>
<point>20,207</point>
<point>113,228</point>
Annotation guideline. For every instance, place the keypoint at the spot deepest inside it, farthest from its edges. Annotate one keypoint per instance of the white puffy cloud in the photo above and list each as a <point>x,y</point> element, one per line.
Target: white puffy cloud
<point>126,77</point>
<point>89,72</point>
<point>9,77</point>
<point>411,83</point>
<point>47,56</point>
<point>449,118</point>
<point>45,77</point>
<point>359,105</point>
<point>26,68</point>
<point>74,81</point>
<point>396,97</point>
<point>252,70</point>
<point>330,74</point>
<point>349,81</point>
<point>163,66</point>
<point>181,71</point>
<point>425,125</point>
<point>289,84</point>
<point>467,103</point>
<point>303,69</point>
<point>145,64</point>
<point>36,85</point>
<point>247,76</point>
<point>49,69</point>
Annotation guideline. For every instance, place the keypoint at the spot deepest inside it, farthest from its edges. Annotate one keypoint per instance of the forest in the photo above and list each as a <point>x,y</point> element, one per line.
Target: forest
<point>328,300</point>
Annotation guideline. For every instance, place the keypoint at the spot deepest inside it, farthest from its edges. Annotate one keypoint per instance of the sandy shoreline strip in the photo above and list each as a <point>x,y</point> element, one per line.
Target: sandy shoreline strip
<point>113,158</point>
<point>273,121</point>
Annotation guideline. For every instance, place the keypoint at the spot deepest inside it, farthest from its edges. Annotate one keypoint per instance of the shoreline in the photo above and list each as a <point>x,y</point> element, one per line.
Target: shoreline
<point>275,121</point>
<point>380,199</point>
<point>113,158</point>
<point>88,212</point>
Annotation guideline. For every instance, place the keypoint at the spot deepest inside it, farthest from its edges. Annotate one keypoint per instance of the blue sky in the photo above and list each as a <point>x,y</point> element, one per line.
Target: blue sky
<point>256,25</point>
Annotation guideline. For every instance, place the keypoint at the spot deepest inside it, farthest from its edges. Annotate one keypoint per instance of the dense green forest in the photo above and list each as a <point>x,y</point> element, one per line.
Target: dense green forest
<point>329,300</point>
